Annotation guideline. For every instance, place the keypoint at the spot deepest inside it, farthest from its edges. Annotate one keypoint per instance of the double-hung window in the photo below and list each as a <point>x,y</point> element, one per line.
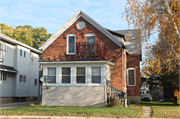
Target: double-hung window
<point>23,53</point>
<point>131,76</point>
<point>66,75</point>
<point>71,44</point>
<point>96,74</point>
<point>22,78</point>
<point>80,75</point>
<point>3,76</point>
<point>52,74</point>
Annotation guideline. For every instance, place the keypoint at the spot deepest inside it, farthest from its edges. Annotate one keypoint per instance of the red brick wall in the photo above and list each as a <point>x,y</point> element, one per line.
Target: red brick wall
<point>57,50</point>
<point>133,62</point>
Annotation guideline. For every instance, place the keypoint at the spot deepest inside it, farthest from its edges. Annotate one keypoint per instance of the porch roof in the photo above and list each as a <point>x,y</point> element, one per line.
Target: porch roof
<point>77,62</point>
<point>8,69</point>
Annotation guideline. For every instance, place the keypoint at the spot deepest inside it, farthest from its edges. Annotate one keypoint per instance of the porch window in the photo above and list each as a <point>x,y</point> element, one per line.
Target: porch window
<point>71,44</point>
<point>96,74</point>
<point>4,76</point>
<point>66,75</point>
<point>131,76</point>
<point>52,74</point>
<point>80,75</point>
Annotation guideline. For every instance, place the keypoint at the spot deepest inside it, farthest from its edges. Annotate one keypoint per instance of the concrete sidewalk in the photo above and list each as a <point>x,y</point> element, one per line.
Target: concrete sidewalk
<point>15,105</point>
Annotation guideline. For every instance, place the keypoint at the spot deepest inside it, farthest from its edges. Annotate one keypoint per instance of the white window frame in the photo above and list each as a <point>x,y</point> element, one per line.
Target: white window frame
<point>64,75</point>
<point>68,44</point>
<point>96,75</point>
<point>134,76</point>
<point>81,75</point>
<point>52,75</point>
<point>25,54</point>
<point>23,78</point>
<point>2,76</point>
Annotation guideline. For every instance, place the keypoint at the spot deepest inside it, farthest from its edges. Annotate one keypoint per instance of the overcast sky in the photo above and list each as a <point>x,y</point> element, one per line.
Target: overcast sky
<point>52,14</point>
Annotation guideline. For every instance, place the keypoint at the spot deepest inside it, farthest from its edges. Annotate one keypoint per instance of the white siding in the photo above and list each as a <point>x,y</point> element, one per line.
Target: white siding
<point>23,68</point>
<point>7,87</point>
<point>34,74</point>
<point>9,56</point>
<point>74,96</point>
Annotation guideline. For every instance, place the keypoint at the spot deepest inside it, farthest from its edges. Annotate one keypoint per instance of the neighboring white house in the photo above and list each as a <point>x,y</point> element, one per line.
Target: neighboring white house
<point>19,70</point>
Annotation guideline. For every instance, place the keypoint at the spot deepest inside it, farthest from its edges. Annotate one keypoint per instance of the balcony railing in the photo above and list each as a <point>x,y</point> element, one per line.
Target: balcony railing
<point>86,50</point>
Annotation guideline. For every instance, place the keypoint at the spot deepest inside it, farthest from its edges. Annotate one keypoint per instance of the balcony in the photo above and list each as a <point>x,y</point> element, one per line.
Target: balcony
<point>90,51</point>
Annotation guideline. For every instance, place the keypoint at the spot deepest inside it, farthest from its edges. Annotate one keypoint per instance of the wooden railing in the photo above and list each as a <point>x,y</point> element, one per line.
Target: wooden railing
<point>85,50</point>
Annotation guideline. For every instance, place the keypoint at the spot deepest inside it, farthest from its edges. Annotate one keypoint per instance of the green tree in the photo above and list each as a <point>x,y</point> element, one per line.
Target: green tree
<point>26,34</point>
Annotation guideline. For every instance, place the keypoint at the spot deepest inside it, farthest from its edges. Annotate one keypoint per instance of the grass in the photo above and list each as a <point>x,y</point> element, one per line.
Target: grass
<point>163,110</point>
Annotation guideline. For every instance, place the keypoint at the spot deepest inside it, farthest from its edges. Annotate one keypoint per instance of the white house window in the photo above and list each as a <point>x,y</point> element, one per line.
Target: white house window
<point>4,77</point>
<point>80,75</point>
<point>22,78</point>
<point>96,75</point>
<point>35,82</point>
<point>52,74</point>
<point>23,53</point>
<point>66,75</point>
<point>131,76</point>
<point>5,48</point>
<point>71,44</point>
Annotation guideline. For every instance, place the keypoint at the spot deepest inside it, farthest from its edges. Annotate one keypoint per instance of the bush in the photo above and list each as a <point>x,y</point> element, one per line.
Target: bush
<point>114,103</point>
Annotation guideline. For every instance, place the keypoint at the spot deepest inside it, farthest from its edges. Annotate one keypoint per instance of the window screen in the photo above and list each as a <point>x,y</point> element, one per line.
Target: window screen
<point>96,75</point>
<point>66,75</point>
<point>80,75</point>
<point>52,74</point>
<point>131,77</point>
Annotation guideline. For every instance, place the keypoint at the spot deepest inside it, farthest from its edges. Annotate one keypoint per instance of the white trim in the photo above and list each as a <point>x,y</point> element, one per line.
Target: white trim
<point>134,76</point>
<point>13,41</point>
<point>88,74</point>
<point>71,21</point>
<point>89,34</point>
<point>67,51</point>
<point>78,62</point>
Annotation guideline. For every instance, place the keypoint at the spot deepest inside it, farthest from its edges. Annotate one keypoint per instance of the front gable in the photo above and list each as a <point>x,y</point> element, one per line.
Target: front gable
<point>57,50</point>
<point>74,19</point>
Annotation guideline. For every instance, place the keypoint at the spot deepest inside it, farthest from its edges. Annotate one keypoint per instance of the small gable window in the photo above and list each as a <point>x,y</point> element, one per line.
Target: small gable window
<point>90,37</point>
<point>131,76</point>
<point>71,44</point>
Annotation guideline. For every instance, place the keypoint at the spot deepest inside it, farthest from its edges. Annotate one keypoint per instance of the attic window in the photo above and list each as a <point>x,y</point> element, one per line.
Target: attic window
<point>71,44</point>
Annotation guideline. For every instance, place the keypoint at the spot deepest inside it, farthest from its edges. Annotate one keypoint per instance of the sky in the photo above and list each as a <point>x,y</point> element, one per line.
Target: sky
<point>52,14</point>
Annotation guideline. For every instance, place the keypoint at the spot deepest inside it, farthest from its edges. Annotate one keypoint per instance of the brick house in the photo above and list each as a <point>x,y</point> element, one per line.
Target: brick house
<point>82,56</point>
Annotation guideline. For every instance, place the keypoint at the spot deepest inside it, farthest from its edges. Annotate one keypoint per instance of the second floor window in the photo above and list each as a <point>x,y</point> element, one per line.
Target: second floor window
<point>131,76</point>
<point>3,76</point>
<point>71,44</point>
<point>23,53</point>
<point>22,78</point>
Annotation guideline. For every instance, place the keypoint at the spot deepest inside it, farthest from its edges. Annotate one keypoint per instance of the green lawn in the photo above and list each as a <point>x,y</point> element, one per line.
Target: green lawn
<point>135,110</point>
<point>161,109</point>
